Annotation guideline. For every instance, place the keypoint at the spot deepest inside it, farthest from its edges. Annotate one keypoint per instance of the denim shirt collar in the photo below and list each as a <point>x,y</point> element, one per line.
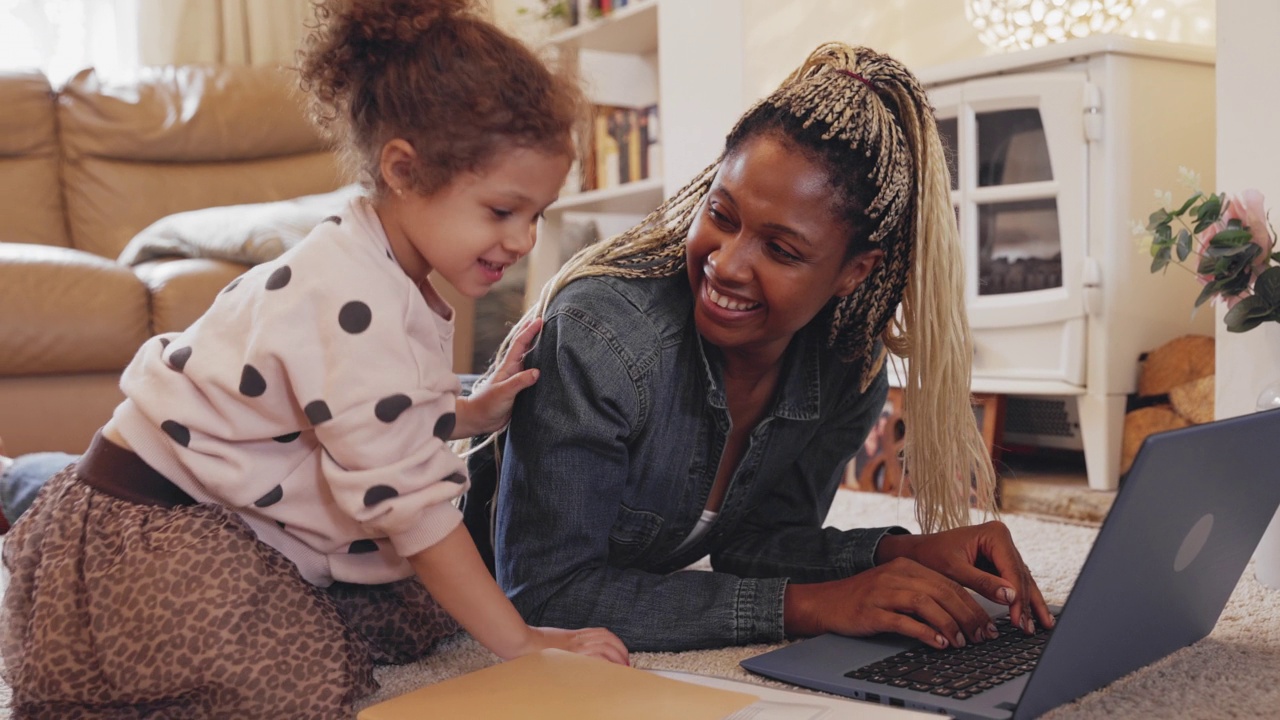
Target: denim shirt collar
<point>799,398</point>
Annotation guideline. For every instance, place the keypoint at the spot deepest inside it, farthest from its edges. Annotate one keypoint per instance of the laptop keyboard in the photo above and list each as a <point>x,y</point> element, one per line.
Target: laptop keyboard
<point>960,673</point>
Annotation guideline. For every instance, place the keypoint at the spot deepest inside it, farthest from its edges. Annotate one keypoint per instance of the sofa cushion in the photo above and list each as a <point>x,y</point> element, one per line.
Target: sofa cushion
<point>66,311</point>
<point>250,234</point>
<point>182,138</point>
<point>30,201</point>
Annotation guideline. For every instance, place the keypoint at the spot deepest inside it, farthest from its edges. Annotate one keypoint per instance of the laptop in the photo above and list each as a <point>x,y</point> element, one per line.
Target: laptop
<point>1183,526</point>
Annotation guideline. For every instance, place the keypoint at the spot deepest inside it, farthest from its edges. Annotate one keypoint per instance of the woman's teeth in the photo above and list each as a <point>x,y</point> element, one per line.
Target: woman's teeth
<point>727,303</point>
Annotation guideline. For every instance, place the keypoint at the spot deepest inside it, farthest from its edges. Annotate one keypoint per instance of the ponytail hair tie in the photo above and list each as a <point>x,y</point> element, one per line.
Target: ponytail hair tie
<point>859,78</point>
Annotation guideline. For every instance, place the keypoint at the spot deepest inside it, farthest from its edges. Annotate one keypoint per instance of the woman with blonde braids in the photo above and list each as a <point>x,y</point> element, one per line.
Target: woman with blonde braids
<point>706,375</point>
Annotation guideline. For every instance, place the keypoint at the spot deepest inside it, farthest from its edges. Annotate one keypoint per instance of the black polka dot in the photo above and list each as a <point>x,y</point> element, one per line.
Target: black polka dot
<point>280,523</point>
<point>362,546</point>
<point>164,342</point>
<point>271,498</point>
<point>178,358</point>
<point>252,384</point>
<point>390,256</point>
<point>177,431</point>
<point>458,478</point>
<point>389,408</point>
<point>318,412</point>
<point>279,278</point>
<point>231,285</point>
<point>444,426</point>
<point>288,438</point>
<point>378,493</point>
<point>354,317</point>
<point>334,219</point>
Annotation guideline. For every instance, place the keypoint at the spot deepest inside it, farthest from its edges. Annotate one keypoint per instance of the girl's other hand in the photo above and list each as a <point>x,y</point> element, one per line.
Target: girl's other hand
<point>594,642</point>
<point>488,408</point>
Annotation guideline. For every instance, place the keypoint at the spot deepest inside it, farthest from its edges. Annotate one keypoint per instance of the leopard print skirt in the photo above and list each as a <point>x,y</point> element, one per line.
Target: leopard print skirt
<point>121,610</point>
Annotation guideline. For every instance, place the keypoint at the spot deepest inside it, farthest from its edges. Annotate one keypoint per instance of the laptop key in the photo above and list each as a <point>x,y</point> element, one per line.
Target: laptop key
<point>926,676</point>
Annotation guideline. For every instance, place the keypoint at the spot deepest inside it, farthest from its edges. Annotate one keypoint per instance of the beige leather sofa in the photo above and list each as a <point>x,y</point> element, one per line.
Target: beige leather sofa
<point>86,167</point>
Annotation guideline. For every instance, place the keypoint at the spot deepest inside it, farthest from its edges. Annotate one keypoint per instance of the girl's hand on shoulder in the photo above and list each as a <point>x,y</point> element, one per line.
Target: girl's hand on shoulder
<point>488,408</point>
<point>593,642</point>
<point>981,557</point>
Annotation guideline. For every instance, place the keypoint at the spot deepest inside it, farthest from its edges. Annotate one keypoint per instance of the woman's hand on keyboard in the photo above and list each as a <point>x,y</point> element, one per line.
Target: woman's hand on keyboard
<point>981,557</point>
<point>900,596</point>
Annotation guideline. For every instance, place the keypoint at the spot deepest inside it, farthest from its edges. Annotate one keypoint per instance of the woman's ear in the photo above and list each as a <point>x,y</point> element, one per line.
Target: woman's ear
<point>396,163</point>
<point>856,271</point>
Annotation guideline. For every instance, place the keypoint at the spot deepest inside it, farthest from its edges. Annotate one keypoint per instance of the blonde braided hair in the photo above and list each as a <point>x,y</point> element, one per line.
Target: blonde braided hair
<point>868,119</point>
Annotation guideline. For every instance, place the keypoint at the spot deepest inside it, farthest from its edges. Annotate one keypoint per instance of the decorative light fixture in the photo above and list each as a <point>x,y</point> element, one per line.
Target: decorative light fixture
<point>1014,24</point>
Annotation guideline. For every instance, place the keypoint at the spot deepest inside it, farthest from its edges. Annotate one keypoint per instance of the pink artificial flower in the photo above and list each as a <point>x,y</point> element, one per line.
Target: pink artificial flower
<point>1250,209</point>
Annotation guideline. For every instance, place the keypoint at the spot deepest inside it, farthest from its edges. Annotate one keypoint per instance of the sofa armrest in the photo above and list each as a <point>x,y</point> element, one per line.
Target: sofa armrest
<point>67,311</point>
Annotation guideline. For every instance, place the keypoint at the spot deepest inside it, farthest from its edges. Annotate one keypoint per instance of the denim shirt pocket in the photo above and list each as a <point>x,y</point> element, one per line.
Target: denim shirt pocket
<point>632,535</point>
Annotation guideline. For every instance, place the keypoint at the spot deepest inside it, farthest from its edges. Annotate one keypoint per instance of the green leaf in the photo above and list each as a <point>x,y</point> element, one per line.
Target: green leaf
<point>1232,236</point>
<point>1184,244</point>
<point>1160,216</point>
<point>1222,251</point>
<point>1248,314</point>
<point>1206,294</point>
<point>1160,259</point>
<point>1267,287</point>
<point>1187,204</point>
<point>1210,209</point>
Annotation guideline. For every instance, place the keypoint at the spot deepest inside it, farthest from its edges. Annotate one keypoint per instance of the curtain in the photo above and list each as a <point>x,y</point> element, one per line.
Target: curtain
<point>59,37</point>
<point>233,32</point>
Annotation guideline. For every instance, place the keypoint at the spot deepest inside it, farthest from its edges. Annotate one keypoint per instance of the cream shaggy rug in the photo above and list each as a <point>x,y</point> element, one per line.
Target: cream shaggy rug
<point>1235,672</point>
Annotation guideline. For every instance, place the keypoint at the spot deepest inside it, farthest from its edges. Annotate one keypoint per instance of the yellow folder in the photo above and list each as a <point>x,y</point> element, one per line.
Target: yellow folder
<point>560,685</point>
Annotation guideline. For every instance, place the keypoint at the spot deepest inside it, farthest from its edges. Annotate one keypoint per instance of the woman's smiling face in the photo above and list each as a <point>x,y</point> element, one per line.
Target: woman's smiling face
<point>766,251</point>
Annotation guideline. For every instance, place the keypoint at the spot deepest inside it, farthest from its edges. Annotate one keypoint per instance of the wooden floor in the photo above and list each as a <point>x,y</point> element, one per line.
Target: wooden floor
<point>1045,483</point>
<point>1052,484</point>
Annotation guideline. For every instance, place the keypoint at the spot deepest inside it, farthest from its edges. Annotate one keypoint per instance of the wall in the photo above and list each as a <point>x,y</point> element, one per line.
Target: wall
<point>1248,102</point>
<point>917,32</point>
<point>920,33</point>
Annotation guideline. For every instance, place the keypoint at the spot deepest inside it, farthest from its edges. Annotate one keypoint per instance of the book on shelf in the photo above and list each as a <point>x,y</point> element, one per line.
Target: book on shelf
<point>624,147</point>
<point>595,9</point>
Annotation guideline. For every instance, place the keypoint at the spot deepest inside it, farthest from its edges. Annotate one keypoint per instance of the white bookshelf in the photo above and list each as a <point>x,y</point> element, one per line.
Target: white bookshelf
<point>631,30</point>
<point>650,51</point>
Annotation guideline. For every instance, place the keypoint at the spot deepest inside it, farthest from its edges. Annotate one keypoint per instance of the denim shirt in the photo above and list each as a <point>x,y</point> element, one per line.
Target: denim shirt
<point>612,455</point>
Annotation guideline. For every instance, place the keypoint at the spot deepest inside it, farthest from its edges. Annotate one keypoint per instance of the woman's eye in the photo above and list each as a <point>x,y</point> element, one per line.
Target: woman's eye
<point>500,213</point>
<point>783,253</point>
<point>717,217</point>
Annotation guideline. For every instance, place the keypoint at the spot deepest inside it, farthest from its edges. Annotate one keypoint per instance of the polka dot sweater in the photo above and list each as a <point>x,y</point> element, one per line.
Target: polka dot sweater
<point>314,398</point>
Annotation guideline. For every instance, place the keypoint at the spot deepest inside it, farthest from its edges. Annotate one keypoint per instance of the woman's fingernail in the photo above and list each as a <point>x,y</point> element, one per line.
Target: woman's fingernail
<point>1029,625</point>
<point>940,640</point>
<point>992,632</point>
<point>1007,594</point>
<point>959,639</point>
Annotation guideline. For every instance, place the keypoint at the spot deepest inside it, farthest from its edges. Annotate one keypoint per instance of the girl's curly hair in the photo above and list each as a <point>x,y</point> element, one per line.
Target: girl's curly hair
<point>438,74</point>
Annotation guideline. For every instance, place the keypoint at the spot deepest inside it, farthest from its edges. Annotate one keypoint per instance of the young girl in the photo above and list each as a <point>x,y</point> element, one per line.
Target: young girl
<point>241,538</point>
